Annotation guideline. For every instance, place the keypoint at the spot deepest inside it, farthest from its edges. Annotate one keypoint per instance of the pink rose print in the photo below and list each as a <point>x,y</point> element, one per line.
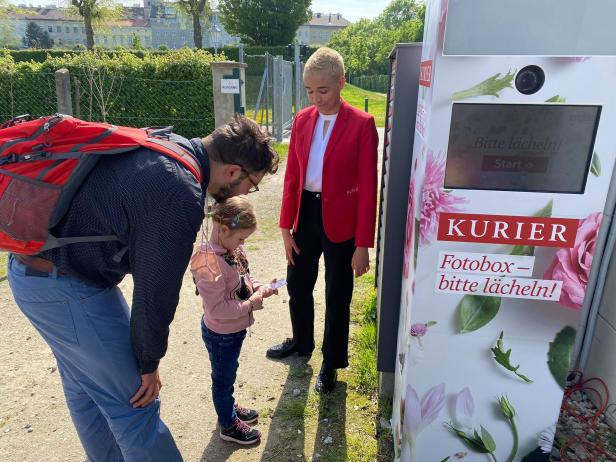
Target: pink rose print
<point>572,266</point>
<point>435,200</point>
<point>410,226</point>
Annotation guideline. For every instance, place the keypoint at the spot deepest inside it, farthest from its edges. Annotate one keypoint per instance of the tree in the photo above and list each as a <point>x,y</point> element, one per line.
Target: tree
<point>265,22</point>
<point>95,12</point>
<point>365,45</point>
<point>198,10</point>
<point>36,37</point>
<point>399,12</point>
<point>7,31</point>
<point>136,42</point>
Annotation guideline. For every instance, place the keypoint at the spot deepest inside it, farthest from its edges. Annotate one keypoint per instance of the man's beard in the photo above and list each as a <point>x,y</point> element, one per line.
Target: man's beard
<point>225,192</point>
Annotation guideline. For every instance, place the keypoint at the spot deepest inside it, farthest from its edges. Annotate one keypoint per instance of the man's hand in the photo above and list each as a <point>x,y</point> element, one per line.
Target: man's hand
<point>360,262</point>
<point>289,245</point>
<point>148,391</point>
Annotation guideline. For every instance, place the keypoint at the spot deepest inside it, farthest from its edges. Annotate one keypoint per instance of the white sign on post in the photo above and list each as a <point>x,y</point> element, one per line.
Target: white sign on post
<point>230,86</point>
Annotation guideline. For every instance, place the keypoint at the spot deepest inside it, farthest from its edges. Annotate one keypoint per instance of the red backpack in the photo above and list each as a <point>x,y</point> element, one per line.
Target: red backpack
<point>44,161</point>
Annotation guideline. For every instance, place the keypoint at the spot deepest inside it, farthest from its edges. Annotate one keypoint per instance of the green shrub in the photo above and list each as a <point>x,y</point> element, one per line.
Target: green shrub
<point>134,88</point>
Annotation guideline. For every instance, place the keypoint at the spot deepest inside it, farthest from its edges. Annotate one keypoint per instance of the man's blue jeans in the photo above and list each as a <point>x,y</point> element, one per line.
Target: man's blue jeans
<point>88,331</point>
<point>224,351</point>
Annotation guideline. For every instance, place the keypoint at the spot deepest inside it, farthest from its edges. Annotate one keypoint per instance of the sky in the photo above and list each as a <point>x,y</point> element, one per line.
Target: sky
<point>350,9</point>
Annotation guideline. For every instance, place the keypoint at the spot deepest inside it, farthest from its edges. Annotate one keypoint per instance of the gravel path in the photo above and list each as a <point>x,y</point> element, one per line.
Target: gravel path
<point>35,424</point>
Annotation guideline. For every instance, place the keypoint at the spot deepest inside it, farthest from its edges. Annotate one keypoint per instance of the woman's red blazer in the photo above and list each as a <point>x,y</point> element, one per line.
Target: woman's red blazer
<point>349,187</point>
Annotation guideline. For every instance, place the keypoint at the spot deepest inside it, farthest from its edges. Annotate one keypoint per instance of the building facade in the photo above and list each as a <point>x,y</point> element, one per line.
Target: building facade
<point>159,23</point>
<point>320,28</point>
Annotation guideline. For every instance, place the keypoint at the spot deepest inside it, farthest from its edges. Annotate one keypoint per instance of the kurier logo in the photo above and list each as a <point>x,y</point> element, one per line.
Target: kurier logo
<point>505,229</point>
<point>425,73</point>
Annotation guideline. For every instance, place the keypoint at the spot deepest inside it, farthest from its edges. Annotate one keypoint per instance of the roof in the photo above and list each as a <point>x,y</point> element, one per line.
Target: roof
<point>43,14</point>
<point>63,14</point>
<point>328,19</point>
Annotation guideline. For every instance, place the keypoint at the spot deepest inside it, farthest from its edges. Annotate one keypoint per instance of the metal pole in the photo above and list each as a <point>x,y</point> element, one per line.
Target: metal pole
<point>241,52</point>
<point>366,104</point>
<point>267,90</point>
<point>278,101</point>
<point>298,78</point>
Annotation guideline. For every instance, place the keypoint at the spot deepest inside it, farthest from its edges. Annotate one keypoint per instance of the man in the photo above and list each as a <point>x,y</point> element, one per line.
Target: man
<point>108,358</point>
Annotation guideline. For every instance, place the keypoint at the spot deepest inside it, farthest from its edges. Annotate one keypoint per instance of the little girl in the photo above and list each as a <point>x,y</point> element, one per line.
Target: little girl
<point>230,295</point>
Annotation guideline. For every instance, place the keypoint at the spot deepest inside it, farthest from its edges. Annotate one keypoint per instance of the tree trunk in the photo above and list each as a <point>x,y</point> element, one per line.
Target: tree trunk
<point>87,19</point>
<point>197,32</point>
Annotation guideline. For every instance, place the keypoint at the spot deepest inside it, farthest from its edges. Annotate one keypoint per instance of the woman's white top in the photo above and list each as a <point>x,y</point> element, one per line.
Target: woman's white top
<point>320,138</point>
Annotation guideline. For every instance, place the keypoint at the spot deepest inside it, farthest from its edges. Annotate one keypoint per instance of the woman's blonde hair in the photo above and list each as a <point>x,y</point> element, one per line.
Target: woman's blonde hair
<point>235,213</point>
<point>325,60</point>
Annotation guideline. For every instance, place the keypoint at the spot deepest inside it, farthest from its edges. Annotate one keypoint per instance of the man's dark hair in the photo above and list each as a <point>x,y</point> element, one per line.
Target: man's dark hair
<point>242,142</point>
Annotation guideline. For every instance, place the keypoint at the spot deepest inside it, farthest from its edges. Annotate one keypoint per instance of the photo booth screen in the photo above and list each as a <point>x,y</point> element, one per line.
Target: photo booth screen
<point>521,147</point>
<point>531,27</point>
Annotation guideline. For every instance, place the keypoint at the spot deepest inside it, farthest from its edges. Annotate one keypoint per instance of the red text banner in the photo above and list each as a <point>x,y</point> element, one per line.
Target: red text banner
<point>505,229</point>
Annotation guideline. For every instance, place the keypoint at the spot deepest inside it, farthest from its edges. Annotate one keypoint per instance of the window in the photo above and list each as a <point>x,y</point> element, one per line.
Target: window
<point>68,30</point>
<point>58,29</point>
<point>83,30</point>
<point>76,30</point>
<point>49,29</point>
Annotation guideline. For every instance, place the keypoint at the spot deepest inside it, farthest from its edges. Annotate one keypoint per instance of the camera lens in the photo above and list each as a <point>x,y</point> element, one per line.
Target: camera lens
<point>529,80</point>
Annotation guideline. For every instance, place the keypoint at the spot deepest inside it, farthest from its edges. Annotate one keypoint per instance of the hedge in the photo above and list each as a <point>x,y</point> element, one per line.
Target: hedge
<point>157,89</point>
<point>231,52</point>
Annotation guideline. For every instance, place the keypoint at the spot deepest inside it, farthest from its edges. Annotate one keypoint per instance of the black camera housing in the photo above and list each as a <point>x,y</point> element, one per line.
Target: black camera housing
<point>530,79</point>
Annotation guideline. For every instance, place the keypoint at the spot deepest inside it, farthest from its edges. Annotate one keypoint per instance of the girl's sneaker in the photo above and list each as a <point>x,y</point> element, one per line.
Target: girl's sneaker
<point>246,415</point>
<point>240,433</point>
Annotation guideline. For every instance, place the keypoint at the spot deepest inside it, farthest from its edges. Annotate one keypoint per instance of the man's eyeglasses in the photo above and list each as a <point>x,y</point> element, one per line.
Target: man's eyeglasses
<point>255,187</point>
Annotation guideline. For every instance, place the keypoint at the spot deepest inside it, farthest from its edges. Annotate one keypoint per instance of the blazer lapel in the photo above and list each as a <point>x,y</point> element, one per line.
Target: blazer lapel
<point>337,131</point>
<point>311,122</point>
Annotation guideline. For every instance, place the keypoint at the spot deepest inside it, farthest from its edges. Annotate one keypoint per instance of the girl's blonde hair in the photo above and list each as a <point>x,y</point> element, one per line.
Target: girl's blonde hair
<point>326,60</point>
<point>235,213</point>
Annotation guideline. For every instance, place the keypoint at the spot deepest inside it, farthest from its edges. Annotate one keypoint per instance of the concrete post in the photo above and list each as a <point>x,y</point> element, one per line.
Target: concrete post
<point>228,89</point>
<point>63,92</point>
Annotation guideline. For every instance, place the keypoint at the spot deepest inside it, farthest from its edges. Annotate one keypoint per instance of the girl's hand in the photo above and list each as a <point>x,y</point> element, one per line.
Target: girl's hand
<point>265,291</point>
<point>360,262</point>
<point>289,245</point>
<point>256,300</point>
<point>275,292</point>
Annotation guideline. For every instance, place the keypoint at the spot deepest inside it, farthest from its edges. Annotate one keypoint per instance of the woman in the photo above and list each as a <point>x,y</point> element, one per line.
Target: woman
<point>329,208</point>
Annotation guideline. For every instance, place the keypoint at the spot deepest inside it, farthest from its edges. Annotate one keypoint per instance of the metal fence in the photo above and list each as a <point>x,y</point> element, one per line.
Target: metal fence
<point>27,93</point>
<point>99,95</point>
<point>378,83</point>
<point>272,91</point>
<point>273,86</point>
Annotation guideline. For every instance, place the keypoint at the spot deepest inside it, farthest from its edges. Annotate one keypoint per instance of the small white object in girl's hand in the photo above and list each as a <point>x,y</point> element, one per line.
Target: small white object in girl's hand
<point>278,284</point>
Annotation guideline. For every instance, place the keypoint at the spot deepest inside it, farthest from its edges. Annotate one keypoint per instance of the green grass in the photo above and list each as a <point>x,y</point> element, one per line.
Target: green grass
<point>3,260</point>
<point>350,414</point>
<point>282,149</point>
<point>377,102</point>
<point>356,97</point>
